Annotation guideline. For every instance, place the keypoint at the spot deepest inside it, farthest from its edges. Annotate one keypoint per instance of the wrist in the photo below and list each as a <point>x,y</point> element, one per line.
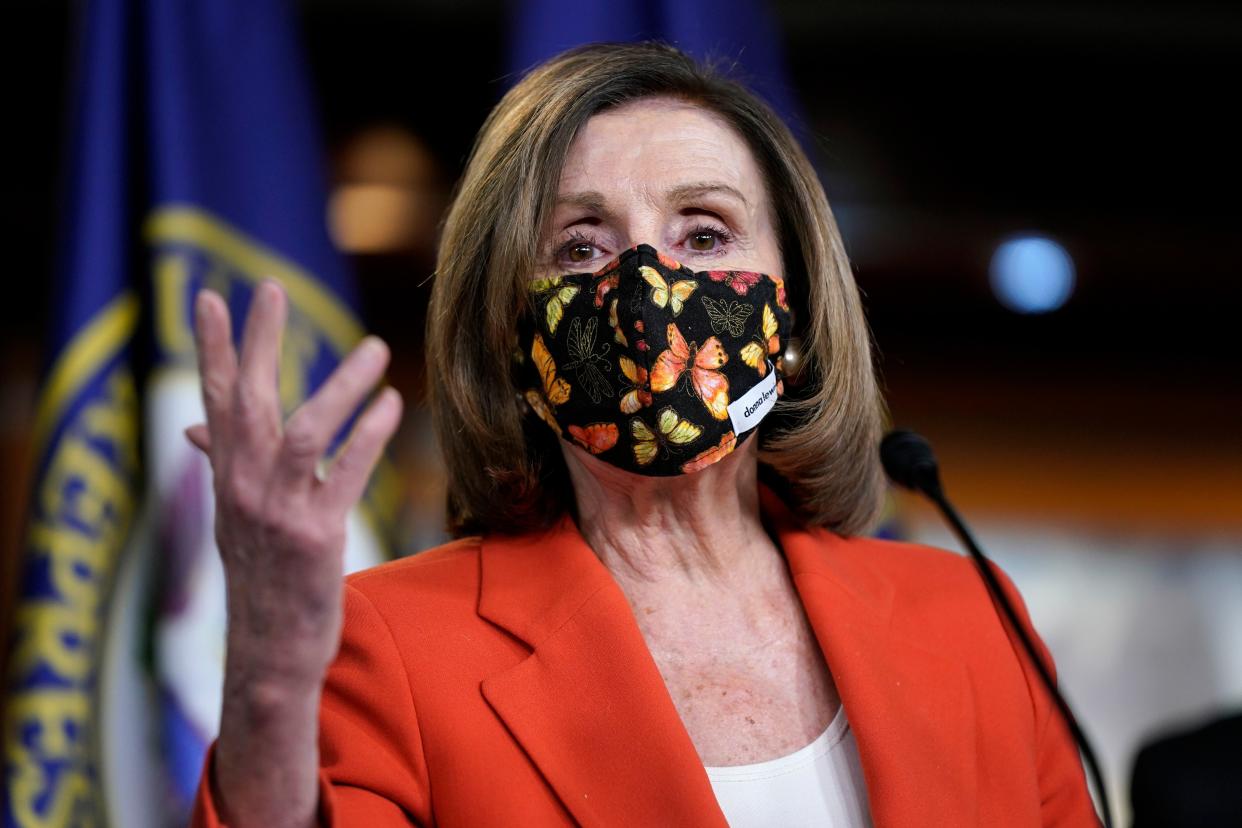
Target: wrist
<point>267,751</point>
<point>264,679</point>
<point>286,655</point>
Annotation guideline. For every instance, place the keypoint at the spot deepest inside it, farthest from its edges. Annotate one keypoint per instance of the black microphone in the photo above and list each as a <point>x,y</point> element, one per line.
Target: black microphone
<point>909,461</point>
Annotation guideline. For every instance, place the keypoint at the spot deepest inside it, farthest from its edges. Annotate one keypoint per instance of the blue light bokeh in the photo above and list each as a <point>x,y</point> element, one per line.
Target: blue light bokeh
<point>1032,274</point>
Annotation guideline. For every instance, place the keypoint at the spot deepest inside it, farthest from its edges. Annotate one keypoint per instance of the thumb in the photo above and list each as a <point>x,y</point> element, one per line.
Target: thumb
<point>199,437</point>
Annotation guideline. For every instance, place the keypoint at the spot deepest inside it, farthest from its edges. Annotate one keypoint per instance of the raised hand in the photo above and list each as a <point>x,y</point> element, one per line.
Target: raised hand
<point>280,528</point>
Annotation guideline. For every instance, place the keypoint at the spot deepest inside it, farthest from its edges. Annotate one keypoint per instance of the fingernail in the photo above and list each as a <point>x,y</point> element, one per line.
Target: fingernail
<point>374,345</point>
<point>390,396</point>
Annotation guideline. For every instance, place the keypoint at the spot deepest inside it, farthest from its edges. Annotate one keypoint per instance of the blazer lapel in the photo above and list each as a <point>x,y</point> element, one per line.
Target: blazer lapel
<point>588,705</point>
<point>910,708</point>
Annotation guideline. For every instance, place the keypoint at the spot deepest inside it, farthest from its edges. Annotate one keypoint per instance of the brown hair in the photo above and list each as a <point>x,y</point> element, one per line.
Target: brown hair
<point>505,469</point>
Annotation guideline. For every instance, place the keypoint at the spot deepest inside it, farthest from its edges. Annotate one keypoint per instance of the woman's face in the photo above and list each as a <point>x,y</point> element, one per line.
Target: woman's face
<point>667,173</point>
<point>670,174</point>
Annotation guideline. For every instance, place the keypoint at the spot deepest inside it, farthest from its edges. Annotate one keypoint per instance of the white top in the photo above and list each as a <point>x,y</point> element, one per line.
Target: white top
<point>819,785</point>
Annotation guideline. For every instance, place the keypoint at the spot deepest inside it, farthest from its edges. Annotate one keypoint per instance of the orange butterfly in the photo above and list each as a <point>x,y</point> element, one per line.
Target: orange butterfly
<point>755,353</point>
<point>639,394</point>
<point>781,298</point>
<point>603,286</point>
<point>668,261</point>
<point>700,363</point>
<point>640,344</point>
<point>555,388</point>
<point>596,437</point>
<point>713,455</point>
<point>612,263</point>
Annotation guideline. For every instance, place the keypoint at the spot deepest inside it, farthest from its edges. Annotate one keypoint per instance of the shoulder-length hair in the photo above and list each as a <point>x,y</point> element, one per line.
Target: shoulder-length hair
<point>505,469</point>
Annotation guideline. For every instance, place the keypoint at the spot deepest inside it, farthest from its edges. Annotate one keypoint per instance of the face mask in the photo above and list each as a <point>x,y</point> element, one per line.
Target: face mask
<point>650,366</point>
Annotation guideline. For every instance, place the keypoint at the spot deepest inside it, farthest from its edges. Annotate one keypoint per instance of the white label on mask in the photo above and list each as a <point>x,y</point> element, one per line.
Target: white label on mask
<point>747,410</point>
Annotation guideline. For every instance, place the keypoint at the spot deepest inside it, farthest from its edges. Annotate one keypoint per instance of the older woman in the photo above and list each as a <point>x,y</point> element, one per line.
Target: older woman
<point>659,610</point>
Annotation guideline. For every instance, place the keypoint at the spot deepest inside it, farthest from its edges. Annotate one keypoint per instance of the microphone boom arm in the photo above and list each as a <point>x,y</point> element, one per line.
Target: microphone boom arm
<point>909,461</point>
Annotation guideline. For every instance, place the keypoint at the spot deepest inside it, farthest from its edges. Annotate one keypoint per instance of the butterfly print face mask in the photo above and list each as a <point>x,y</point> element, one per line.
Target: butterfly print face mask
<point>651,366</point>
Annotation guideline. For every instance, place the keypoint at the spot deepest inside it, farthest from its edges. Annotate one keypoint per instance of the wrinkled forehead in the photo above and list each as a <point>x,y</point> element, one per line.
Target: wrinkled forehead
<point>646,150</point>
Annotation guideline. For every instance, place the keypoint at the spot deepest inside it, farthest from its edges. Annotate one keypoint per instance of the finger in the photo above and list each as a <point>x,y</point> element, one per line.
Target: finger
<point>199,437</point>
<point>348,476</point>
<point>217,361</point>
<point>311,428</point>
<point>256,402</point>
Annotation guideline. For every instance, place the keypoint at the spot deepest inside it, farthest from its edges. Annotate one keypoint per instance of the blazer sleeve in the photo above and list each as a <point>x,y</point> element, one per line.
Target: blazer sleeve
<point>372,770</point>
<point>1064,798</point>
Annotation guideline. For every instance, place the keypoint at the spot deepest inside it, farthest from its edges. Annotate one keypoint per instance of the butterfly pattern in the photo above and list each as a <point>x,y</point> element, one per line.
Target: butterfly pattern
<point>540,406</point>
<point>663,294</point>
<point>618,334</point>
<point>638,362</point>
<point>713,455</point>
<point>740,280</point>
<point>555,294</point>
<point>555,389</point>
<point>671,432</point>
<point>699,364</point>
<point>727,316</point>
<point>603,286</point>
<point>596,437</point>
<point>782,299</point>
<point>768,343</point>
<point>638,394</point>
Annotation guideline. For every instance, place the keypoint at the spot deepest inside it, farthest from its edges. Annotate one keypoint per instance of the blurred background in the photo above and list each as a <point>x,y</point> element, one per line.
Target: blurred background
<point>1041,202</point>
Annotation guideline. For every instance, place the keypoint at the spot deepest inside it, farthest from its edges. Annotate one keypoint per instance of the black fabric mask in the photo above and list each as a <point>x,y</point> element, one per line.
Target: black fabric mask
<point>650,366</point>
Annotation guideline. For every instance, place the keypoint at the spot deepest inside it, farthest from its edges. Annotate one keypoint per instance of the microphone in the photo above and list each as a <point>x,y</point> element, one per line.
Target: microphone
<point>910,462</point>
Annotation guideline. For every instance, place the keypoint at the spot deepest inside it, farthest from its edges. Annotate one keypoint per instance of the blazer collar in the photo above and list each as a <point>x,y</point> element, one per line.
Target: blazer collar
<point>532,584</point>
<point>591,709</point>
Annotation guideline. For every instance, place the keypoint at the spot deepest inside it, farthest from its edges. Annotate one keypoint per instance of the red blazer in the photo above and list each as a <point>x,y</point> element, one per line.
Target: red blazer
<point>503,681</point>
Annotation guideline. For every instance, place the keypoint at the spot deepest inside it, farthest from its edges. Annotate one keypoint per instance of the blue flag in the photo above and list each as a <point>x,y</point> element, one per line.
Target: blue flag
<point>194,163</point>
<point>739,36</point>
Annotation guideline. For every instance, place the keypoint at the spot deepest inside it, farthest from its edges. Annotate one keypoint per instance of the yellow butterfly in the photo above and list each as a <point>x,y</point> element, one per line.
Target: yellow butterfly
<point>555,389</point>
<point>671,430</point>
<point>617,333</point>
<point>755,353</point>
<point>557,294</point>
<point>663,295</point>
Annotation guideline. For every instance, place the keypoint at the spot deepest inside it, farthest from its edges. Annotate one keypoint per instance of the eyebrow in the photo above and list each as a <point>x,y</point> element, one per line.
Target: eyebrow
<point>590,200</point>
<point>689,192</point>
<point>594,201</point>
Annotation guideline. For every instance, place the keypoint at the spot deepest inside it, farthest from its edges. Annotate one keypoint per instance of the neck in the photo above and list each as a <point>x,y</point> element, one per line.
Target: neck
<point>696,530</point>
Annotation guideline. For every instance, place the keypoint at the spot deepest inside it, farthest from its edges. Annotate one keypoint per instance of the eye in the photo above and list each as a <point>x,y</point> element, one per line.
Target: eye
<point>580,248</point>
<point>579,252</point>
<point>705,239</point>
<point>702,241</point>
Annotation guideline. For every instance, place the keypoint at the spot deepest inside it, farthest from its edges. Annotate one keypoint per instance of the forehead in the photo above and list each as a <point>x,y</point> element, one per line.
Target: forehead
<point>652,145</point>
